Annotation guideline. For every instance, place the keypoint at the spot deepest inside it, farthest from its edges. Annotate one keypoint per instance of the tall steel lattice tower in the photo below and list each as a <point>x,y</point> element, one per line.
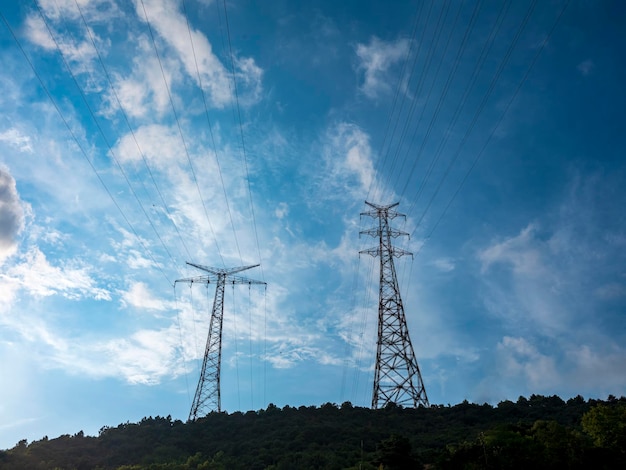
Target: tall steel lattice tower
<point>397,377</point>
<point>208,396</point>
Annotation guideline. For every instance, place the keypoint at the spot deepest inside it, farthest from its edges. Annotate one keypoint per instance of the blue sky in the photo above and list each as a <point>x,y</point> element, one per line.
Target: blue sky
<point>136,136</point>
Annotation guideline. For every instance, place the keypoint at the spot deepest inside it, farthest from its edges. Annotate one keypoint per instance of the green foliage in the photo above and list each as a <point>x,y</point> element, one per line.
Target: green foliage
<point>538,432</point>
<point>544,445</point>
<point>395,453</point>
<point>606,424</point>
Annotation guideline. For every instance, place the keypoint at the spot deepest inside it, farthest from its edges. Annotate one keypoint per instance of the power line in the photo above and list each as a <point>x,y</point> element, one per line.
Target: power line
<point>180,130</point>
<point>84,98</point>
<point>427,100</point>
<point>483,55</point>
<point>75,138</point>
<point>399,85</point>
<point>134,137</point>
<point>206,109</point>
<point>487,95</point>
<point>500,119</point>
<point>243,144</point>
<point>182,351</point>
<point>423,73</point>
<point>442,97</point>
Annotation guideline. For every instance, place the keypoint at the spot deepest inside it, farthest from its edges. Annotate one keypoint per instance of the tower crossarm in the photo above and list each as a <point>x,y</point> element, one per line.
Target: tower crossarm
<point>386,211</point>
<point>218,271</point>
<point>375,232</point>
<point>213,279</point>
<point>198,280</point>
<point>395,251</point>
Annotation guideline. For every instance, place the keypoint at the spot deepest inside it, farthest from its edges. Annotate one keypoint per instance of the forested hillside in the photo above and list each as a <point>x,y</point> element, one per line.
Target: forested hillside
<point>538,432</point>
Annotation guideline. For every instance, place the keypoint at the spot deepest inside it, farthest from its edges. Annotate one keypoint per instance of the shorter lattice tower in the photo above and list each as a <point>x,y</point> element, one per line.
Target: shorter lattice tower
<point>397,377</point>
<point>208,396</point>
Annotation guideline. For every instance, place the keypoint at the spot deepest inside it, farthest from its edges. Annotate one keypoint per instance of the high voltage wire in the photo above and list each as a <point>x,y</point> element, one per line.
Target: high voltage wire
<point>134,137</point>
<point>180,130</point>
<point>443,13</point>
<point>399,85</point>
<point>82,150</point>
<point>383,159</point>
<point>484,53</point>
<point>479,63</point>
<point>67,66</point>
<point>486,96</point>
<point>355,285</point>
<point>245,157</point>
<point>236,348</point>
<point>406,126</point>
<point>363,328</point>
<point>84,98</point>
<point>502,115</point>
<point>250,347</point>
<point>442,97</point>
<point>104,138</point>
<point>206,109</point>
<point>182,351</point>
<point>243,144</point>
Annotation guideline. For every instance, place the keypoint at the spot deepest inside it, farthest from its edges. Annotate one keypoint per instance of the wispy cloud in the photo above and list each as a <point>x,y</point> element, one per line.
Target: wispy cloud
<point>348,160</point>
<point>546,282</point>
<point>140,297</point>
<point>72,279</point>
<point>376,61</point>
<point>586,67</point>
<point>143,91</point>
<point>197,56</point>
<point>534,290</point>
<point>519,360</point>
<point>444,264</point>
<point>15,138</point>
<point>78,53</point>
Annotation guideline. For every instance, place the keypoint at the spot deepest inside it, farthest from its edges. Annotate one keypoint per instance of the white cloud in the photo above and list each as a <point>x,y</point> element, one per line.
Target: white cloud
<point>79,54</point>
<point>376,60</point>
<point>38,33</point>
<point>544,278</point>
<point>520,252</point>
<point>593,366</point>
<point>160,145</point>
<point>214,78</point>
<point>145,357</point>
<point>143,91</point>
<point>95,10</point>
<point>11,215</point>
<point>282,210</point>
<point>249,79</point>
<point>72,279</point>
<point>140,296</point>
<point>288,356</point>
<point>445,265</point>
<point>530,295</point>
<point>349,168</point>
<point>586,67</point>
<point>519,359</point>
<point>16,139</point>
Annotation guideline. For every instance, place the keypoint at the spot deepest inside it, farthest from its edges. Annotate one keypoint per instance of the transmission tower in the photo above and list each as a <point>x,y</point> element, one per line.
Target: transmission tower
<point>397,377</point>
<point>207,397</point>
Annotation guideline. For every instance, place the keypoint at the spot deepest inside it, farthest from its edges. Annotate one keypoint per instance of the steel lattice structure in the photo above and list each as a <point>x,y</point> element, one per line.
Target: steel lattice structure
<point>397,377</point>
<point>208,395</point>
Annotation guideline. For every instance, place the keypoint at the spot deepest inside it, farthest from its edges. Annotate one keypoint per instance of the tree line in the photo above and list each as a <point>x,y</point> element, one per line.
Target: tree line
<point>539,432</point>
